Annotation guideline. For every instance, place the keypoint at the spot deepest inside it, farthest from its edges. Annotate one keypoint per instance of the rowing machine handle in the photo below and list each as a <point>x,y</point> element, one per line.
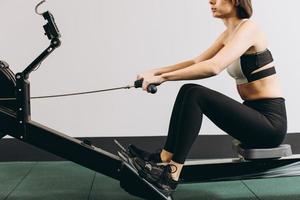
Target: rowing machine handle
<point>151,88</point>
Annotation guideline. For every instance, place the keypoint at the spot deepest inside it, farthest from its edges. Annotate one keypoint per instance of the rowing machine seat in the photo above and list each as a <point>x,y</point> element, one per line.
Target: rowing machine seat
<point>283,150</point>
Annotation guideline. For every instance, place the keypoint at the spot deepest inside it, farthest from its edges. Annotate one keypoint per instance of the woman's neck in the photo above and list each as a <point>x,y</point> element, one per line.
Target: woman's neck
<point>232,23</point>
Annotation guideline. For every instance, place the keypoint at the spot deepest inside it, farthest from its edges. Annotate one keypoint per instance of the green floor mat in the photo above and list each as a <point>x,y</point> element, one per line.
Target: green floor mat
<point>55,180</point>
<point>230,190</point>
<point>69,181</point>
<point>108,188</point>
<point>276,188</point>
<point>12,174</point>
<point>105,188</point>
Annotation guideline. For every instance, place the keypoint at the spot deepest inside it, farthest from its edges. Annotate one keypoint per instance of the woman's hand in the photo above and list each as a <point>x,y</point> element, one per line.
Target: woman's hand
<point>149,77</point>
<point>146,74</point>
<point>155,80</point>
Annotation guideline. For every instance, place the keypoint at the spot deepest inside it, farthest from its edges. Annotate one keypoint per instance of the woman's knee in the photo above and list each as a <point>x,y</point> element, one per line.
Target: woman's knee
<point>197,91</point>
<point>193,93</point>
<point>183,90</point>
<point>187,86</point>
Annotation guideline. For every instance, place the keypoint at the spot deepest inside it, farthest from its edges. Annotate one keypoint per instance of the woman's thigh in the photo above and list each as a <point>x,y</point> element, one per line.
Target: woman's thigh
<point>238,120</point>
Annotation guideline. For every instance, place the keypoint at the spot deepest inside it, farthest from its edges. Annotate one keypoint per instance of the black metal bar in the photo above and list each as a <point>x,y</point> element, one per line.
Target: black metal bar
<point>239,170</point>
<point>54,44</point>
<point>22,91</point>
<point>62,145</point>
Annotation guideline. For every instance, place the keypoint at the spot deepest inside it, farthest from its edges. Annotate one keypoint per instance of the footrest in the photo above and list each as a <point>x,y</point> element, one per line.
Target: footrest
<point>283,150</point>
<point>135,185</point>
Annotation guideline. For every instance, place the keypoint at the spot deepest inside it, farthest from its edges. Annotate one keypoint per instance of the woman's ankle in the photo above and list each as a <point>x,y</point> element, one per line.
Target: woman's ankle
<point>175,170</point>
<point>165,156</point>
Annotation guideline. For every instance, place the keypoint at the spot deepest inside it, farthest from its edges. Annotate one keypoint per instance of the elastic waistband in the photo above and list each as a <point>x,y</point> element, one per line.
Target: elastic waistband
<point>269,106</point>
<point>276,99</point>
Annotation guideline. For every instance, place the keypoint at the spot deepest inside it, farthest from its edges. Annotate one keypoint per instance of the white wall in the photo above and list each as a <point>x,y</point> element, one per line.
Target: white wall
<point>106,43</point>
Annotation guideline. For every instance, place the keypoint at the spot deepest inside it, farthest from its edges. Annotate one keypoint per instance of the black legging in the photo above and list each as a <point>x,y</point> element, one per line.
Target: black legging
<point>258,123</point>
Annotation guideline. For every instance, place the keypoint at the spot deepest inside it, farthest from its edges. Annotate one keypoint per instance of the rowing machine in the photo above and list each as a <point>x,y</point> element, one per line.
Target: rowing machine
<point>15,121</point>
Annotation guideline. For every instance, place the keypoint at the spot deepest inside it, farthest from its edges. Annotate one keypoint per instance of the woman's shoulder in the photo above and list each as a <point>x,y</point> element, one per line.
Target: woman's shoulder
<point>245,25</point>
<point>254,31</point>
<point>250,29</point>
<point>251,25</point>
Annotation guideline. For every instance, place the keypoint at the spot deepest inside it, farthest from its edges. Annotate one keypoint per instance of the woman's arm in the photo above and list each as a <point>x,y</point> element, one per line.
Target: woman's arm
<point>172,68</point>
<point>207,54</point>
<point>243,39</point>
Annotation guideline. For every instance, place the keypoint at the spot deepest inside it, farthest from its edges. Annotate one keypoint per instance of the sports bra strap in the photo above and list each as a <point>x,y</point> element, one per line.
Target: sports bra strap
<point>262,74</point>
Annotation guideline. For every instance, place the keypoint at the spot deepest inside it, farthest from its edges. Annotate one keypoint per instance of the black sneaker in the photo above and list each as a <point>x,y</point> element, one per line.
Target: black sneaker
<point>166,182</point>
<point>158,175</point>
<point>148,170</point>
<point>144,155</point>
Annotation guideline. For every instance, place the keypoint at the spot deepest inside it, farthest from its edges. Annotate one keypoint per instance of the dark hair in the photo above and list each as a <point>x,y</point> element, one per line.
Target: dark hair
<point>244,8</point>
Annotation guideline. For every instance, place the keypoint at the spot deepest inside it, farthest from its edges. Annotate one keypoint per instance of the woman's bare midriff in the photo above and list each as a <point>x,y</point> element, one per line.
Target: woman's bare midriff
<point>268,87</point>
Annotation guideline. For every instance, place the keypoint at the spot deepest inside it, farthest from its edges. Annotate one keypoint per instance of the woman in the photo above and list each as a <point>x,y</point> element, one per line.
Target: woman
<point>260,121</point>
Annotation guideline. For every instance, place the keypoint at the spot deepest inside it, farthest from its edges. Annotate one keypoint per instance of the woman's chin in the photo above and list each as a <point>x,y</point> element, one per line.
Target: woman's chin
<point>216,15</point>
